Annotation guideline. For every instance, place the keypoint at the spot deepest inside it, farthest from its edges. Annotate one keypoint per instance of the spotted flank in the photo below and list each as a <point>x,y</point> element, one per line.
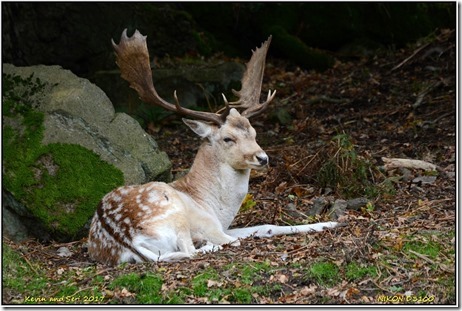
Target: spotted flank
<point>126,217</point>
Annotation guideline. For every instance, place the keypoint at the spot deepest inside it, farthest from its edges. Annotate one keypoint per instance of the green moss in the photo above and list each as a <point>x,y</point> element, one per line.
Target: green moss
<point>242,295</point>
<point>242,282</point>
<point>429,248</point>
<point>81,180</point>
<point>355,271</point>
<point>199,282</point>
<point>325,273</point>
<point>147,287</point>
<point>254,272</point>
<point>61,184</point>
<point>248,276</point>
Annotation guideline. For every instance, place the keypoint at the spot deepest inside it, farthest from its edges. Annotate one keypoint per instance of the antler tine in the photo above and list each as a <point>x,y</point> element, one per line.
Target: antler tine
<point>132,57</point>
<point>249,95</point>
<point>258,108</point>
<point>225,110</point>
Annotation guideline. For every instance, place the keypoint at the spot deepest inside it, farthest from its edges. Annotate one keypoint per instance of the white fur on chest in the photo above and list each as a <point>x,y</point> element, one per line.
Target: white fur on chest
<point>233,188</point>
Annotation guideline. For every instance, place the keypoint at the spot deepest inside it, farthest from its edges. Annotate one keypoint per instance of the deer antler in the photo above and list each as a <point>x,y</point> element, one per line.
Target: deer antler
<point>249,95</point>
<point>133,60</point>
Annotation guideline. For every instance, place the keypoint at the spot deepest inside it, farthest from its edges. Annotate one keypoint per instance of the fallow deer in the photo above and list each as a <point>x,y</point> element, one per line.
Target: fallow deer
<point>162,222</point>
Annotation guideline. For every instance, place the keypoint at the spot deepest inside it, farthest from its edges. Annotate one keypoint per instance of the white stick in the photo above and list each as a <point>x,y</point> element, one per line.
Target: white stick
<point>391,163</point>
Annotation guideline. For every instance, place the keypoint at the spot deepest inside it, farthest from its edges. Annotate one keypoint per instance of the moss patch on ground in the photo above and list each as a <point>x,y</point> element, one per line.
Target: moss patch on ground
<point>60,184</point>
<point>18,275</point>
<point>223,278</point>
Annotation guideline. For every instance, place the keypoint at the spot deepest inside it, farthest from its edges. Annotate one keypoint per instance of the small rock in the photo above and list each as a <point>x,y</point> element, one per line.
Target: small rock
<point>407,174</point>
<point>318,205</point>
<point>424,180</point>
<point>356,204</point>
<point>64,252</point>
<point>291,207</point>
<point>338,209</point>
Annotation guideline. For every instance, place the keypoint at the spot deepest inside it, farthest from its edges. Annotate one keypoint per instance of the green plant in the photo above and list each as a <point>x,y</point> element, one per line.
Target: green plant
<point>248,203</point>
<point>20,276</point>
<point>350,174</point>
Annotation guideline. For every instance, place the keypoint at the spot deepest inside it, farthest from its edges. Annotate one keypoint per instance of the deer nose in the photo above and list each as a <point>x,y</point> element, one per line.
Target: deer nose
<point>262,159</point>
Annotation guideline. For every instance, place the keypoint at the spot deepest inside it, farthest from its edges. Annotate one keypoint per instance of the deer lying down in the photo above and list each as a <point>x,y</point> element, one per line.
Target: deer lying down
<point>162,222</point>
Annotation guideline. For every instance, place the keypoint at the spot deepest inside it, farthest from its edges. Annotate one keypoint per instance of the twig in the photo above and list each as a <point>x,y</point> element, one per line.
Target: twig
<point>439,118</point>
<point>81,290</point>
<point>67,243</point>
<point>93,276</point>
<point>312,159</point>
<point>323,98</point>
<point>382,288</point>
<point>391,163</point>
<point>286,99</point>
<point>422,257</point>
<point>410,57</point>
<point>424,93</point>
<point>30,265</point>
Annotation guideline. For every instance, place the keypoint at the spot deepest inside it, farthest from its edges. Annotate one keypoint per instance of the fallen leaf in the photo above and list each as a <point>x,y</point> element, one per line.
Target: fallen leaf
<point>212,283</point>
<point>281,188</point>
<point>124,293</point>
<point>283,278</point>
<point>308,290</point>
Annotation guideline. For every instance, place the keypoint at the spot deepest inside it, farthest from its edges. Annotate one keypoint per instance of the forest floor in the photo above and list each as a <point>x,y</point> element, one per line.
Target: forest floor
<point>326,134</point>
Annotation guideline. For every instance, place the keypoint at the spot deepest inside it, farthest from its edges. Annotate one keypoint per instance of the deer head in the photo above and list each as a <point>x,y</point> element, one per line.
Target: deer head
<point>228,130</point>
<point>233,143</point>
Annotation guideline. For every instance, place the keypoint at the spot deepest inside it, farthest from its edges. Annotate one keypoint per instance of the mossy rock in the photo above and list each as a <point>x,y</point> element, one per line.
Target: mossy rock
<point>59,184</point>
<point>54,176</point>
<point>78,112</point>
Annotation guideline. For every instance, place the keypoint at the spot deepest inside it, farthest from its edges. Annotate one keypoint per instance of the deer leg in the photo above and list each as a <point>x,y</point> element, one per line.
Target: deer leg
<point>219,237</point>
<point>210,230</point>
<point>209,248</point>
<point>215,236</point>
<point>158,250</point>
<point>265,231</point>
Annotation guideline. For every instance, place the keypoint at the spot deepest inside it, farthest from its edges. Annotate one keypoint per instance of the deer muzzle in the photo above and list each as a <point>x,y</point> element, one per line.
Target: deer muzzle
<point>261,160</point>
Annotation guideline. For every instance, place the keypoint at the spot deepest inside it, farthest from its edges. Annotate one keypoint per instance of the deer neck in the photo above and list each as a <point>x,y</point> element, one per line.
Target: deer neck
<point>215,186</point>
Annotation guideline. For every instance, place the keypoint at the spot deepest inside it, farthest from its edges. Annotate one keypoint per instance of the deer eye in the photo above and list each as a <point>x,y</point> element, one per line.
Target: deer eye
<point>227,140</point>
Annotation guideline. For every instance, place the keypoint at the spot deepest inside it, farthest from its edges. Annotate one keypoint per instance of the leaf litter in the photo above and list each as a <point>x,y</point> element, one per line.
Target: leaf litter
<point>399,248</point>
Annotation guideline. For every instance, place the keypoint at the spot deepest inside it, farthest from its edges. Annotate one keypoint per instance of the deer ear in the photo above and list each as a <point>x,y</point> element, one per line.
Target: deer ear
<point>203,129</point>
